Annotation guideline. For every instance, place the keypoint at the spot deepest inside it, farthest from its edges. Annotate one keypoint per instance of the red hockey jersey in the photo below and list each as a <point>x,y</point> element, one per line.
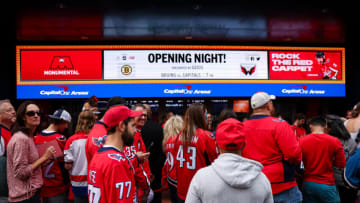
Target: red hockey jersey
<point>189,159</point>
<point>142,171</point>
<point>169,170</point>
<point>55,176</point>
<point>95,140</point>
<point>272,142</point>
<point>111,177</point>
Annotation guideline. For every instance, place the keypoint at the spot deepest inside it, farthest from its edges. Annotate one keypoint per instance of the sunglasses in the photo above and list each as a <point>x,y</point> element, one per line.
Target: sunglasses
<point>32,113</point>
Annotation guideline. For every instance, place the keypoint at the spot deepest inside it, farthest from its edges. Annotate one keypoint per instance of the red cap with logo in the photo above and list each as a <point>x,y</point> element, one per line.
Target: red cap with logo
<point>119,113</point>
<point>230,134</point>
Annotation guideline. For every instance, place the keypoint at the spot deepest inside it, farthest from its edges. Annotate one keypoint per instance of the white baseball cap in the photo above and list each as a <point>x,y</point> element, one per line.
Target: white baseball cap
<point>260,98</point>
<point>61,114</point>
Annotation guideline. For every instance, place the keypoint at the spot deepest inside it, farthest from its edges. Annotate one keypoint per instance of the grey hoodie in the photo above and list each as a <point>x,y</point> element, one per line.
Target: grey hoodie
<point>231,178</point>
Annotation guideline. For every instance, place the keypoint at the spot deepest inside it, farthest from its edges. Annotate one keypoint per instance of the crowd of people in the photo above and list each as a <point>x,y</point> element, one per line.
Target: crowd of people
<point>125,156</point>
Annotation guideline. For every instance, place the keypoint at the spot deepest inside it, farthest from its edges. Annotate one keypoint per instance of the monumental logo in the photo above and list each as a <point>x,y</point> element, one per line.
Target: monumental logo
<point>62,91</point>
<point>302,90</point>
<point>61,65</point>
<point>186,90</point>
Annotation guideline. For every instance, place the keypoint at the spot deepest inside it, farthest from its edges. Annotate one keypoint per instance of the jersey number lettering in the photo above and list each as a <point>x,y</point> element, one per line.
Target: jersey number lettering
<point>121,186</point>
<point>94,194</point>
<point>191,164</point>
<point>47,170</point>
<point>170,160</point>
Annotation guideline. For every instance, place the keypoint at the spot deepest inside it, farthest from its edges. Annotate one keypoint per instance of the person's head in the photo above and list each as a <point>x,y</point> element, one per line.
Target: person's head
<point>172,128</point>
<point>169,114</point>
<point>356,110</point>
<point>60,119</point>
<point>120,121</point>
<point>194,118</point>
<point>209,117</point>
<point>27,118</point>
<point>86,121</point>
<point>114,101</point>
<point>227,113</point>
<point>261,102</point>
<point>336,127</point>
<point>348,114</point>
<point>140,120</point>
<point>317,124</point>
<point>320,57</point>
<point>7,113</point>
<point>230,137</point>
<point>148,110</point>
<point>93,100</point>
<point>299,119</point>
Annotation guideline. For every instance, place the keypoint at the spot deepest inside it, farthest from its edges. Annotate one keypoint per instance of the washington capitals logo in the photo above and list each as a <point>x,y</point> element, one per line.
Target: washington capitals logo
<point>100,141</point>
<point>117,157</point>
<point>248,69</point>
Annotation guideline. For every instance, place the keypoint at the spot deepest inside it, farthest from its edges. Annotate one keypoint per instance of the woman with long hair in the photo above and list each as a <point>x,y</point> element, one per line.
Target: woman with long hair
<point>336,128</point>
<point>195,148</point>
<point>75,157</point>
<point>172,128</point>
<point>353,124</point>
<point>24,174</point>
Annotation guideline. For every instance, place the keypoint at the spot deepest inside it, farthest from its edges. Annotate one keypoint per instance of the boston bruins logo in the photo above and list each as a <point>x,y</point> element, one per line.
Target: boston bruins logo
<point>126,69</point>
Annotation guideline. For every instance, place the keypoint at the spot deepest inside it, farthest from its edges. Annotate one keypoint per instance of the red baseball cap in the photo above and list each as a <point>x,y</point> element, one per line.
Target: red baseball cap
<point>230,134</point>
<point>115,114</point>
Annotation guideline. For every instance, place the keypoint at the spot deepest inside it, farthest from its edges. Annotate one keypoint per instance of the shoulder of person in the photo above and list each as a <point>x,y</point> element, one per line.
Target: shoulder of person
<point>206,133</point>
<point>20,135</point>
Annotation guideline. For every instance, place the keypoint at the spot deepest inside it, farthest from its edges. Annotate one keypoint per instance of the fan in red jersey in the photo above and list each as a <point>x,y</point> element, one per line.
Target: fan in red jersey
<point>96,137</point>
<point>195,148</point>
<point>111,174</point>
<point>143,172</point>
<point>272,142</point>
<point>172,128</point>
<point>55,177</point>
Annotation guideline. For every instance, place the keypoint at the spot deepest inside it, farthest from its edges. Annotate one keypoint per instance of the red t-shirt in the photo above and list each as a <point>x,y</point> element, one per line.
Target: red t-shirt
<point>320,153</point>
<point>111,177</point>
<point>5,133</point>
<point>53,174</point>
<point>299,131</point>
<point>95,140</point>
<point>189,159</point>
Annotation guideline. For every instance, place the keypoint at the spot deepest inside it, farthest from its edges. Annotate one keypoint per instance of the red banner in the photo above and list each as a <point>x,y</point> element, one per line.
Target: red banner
<point>61,65</point>
<point>295,65</point>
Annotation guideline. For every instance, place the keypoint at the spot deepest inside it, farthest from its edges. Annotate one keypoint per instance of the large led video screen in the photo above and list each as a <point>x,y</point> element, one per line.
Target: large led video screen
<point>59,72</point>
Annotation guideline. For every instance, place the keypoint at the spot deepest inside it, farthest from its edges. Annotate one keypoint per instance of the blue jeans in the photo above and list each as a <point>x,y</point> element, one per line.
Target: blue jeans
<point>292,195</point>
<point>317,192</point>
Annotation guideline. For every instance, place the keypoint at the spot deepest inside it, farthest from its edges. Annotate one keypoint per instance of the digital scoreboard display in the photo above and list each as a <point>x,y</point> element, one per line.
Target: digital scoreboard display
<point>178,71</point>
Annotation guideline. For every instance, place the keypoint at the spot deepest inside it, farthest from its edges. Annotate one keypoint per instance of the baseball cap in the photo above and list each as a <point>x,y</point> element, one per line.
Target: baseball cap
<point>230,134</point>
<point>260,98</point>
<point>61,114</point>
<point>119,113</point>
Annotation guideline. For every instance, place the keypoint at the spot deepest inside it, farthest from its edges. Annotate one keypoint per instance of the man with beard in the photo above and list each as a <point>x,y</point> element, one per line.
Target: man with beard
<point>111,173</point>
<point>142,172</point>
